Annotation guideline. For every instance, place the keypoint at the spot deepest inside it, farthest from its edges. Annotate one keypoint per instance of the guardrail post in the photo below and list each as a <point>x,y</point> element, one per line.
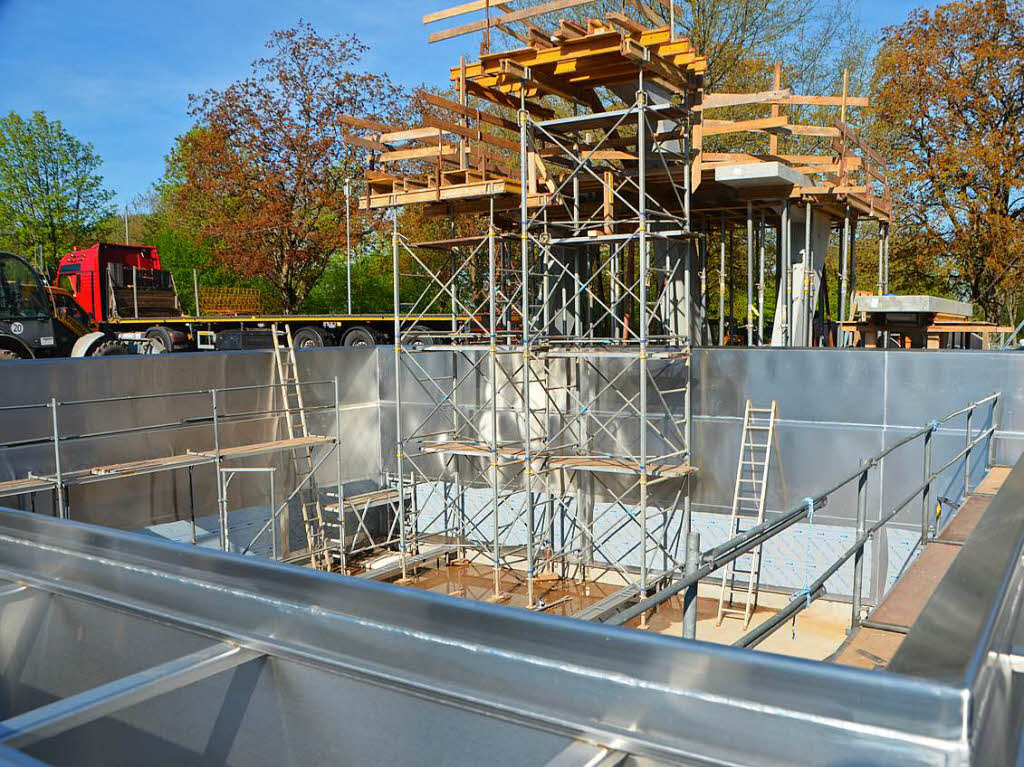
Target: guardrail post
<point>690,596</point>
<point>858,559</point>
<point>967,455</point>
<point>61,508</point>
<point>926,491</point>
<point>341,487</point>
<point>990,454</point>
<point>222,506</point>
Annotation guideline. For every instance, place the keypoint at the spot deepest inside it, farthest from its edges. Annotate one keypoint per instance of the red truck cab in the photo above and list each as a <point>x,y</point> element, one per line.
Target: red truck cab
<point>84,272</point>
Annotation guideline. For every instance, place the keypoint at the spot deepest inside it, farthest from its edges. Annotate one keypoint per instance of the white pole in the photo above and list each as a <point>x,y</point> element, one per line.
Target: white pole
<point>348,246</point>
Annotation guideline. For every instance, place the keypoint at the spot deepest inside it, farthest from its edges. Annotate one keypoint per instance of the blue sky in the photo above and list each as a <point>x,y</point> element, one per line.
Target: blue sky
<point>118,73</point>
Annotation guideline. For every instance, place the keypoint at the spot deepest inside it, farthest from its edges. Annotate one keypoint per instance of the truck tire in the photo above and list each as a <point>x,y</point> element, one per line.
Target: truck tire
<point>160,339</point>
<point>359,336</point>
<point>311,337</point>
<point>109,348</point>
<point>7,354</point>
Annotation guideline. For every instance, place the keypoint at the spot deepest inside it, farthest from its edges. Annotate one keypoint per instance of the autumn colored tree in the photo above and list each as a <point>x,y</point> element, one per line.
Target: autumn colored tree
<point>263,175</point>
<point>51,190</point>
<point>950,108</point>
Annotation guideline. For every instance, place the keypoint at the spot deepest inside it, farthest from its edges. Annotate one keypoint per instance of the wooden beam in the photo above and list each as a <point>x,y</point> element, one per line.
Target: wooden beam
<point>477,114</point>
<point>460,130</point>
<point>412,134</point>
<point>458,10</point>
<point>506,18</point>
<point>827,101</point>
<point>513,34</point>
<point>812,130</point>
<point>509,102</point>
<point>365,143</point>
<point>669,76</point>
<point>419,153</point>
<point>720,127</point>
<point>622,20</point>
<point>360,122</point>
<point>722,100</point>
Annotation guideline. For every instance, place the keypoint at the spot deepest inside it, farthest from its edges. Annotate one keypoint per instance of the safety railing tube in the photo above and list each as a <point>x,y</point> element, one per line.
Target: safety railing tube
<point>816,589</point>
<point>745,542</point>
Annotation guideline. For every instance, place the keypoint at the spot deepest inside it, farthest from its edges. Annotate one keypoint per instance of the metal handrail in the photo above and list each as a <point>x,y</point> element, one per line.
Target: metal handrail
<point>719,556</point>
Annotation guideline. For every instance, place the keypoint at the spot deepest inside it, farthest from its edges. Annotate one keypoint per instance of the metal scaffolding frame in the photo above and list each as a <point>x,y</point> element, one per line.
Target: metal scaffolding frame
<point>544,345</point>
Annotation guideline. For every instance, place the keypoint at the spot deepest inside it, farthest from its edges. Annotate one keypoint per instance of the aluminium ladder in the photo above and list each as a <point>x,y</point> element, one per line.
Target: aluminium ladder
<point>748,507</point>
<point>302,458</point>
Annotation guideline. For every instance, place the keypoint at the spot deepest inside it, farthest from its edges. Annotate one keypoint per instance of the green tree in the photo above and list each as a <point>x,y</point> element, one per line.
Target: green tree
<point>51,192</point>
<point>950,104</point>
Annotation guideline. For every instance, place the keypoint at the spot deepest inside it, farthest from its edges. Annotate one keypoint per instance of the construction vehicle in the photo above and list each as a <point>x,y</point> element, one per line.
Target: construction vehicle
<point>39,320</point>
<point>129,296</point>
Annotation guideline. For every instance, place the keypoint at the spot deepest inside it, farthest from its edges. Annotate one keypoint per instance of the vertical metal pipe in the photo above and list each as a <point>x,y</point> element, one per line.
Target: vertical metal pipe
<point>926,491</point>
<point>195,290</point>
<point>760,280</point>
<point>135,286</point>
<point>885,278</point>
<point>341,486</point>
<point>348,246</point>
<point>853,267</point>
<point>721,284</point>
<point>524,136</point>
<point>787,275</point>
<point>967,454</point>
<point>750,273</point>
<point>843,267</point>
<point>222,503</point>
<point>688,302</point>
<point>399,441</point>
<point>58,473</point>
<point>880,287</point>
<point>641,144</point>
<point>885,274</point>
<point>808,339</point>
<point>690,595</point>
<point>492,276</point>
<point>273,508</point>
<point>858,558</point>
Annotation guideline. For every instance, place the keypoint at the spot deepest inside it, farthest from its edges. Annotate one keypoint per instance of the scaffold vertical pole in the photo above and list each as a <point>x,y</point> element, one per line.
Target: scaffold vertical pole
<point>721,283</point>
<point>760,280</point>
<point>492,276</point>
<point>524,158</point>
<point>844,261</point>
<point>858,560</point>
<point>62,512</point>
<point>222,503</point>
<point>641,142</point>
<point>399,442</point>
<point>750,273</point>
<point>341,487</point>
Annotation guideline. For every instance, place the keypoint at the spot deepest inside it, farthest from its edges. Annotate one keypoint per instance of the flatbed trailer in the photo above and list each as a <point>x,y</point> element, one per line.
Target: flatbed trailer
<point>251,331</point>
<point>128,295</point>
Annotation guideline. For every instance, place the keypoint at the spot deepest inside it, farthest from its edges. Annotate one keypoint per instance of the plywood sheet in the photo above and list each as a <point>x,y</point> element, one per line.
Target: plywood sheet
<point>966,518</point>
<point>870,648</point>
<point>993,480</point>
<point>910,594</point>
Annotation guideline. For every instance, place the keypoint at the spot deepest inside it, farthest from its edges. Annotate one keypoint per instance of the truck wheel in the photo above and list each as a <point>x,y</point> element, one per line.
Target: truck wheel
<point>311,338</point>
<point>111,348</point>
<point>359,336</point>
<point>160,341</point>
<point>7,354</point>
